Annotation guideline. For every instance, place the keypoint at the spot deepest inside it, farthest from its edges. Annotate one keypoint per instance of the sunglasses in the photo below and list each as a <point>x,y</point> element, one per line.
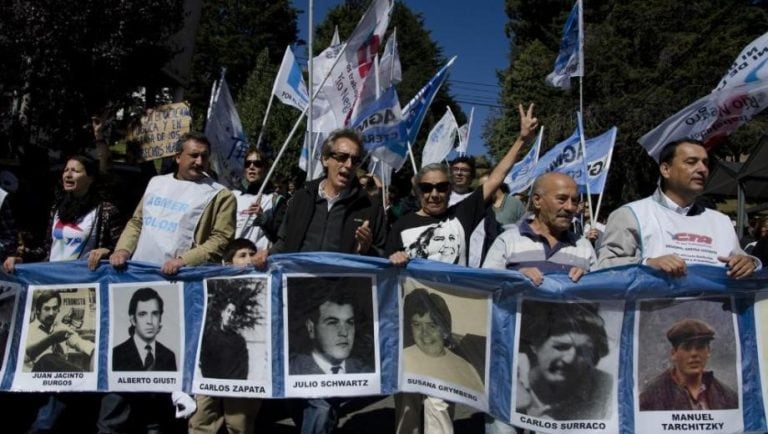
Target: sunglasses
<point>342,158</point>
<point>441,187</point>
<point>255,163</point>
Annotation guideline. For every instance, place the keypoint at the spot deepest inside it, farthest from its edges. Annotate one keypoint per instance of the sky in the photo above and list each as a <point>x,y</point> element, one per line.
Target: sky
<point>472,30</point>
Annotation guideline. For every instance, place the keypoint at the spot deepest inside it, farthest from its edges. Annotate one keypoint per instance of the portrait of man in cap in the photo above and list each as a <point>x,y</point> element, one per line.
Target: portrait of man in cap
<point>687,384</point>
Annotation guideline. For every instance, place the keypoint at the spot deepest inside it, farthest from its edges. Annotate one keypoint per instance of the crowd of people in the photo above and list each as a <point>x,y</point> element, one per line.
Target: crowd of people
<point>186,218</point>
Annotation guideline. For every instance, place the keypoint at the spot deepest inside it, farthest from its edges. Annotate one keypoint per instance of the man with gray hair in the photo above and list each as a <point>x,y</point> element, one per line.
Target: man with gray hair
<point>331,214</point>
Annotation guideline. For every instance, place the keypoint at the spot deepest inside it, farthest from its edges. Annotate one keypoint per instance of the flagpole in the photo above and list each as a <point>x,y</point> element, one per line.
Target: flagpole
<point>413,160</point>
<point>215,94</point>
<point>584,160</point>
<point>310,66</point>
<point>266,116</point>
<point>607,169</point>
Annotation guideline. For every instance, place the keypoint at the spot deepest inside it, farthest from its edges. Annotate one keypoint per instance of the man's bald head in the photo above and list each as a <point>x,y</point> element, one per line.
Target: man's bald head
<point>554,201</point>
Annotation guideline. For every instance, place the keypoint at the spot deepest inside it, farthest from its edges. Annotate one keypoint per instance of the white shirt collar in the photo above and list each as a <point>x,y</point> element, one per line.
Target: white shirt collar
<point>669,203</point>
<point>141,346</point>
<point>323,195</point>
<point>326,366</point>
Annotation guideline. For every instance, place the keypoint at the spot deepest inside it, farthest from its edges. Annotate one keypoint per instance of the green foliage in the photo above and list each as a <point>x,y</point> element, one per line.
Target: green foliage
<point>232,33</point>
<point>644,61</point>
<point>70,59</point>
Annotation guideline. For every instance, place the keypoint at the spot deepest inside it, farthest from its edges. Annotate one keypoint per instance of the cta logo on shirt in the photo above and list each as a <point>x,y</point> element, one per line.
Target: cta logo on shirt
<point>686,237</point>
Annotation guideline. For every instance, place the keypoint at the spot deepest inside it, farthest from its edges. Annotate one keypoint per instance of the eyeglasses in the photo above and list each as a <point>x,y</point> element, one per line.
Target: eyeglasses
<point>342,158</point>
<point>441,187</point>
<point>255,163</point>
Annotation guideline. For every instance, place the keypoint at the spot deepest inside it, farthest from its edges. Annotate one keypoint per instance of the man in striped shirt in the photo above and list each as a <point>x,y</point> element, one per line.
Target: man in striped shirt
<point>544,242</point>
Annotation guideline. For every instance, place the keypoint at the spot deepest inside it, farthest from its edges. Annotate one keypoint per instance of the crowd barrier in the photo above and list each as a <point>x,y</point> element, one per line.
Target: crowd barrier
<point>562,357</point>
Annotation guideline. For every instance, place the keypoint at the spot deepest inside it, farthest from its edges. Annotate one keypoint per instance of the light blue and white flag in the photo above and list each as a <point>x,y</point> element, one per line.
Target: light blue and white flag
<point>750,65</point>
<point>599,152</point>
<point>521,176</point>
<point>228,142</point>
<point>565,157</point>
<point>440,140</point>
<point>416,109</point>
<point>381,125</point>
<point>570,59</point>
<point>289,86</point>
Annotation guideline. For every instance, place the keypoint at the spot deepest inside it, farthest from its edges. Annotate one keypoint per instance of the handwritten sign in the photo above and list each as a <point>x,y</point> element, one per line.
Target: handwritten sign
<point>161,127</point>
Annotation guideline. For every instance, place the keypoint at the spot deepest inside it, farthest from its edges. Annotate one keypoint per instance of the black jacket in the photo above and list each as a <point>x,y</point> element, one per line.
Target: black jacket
<point>358,207</point>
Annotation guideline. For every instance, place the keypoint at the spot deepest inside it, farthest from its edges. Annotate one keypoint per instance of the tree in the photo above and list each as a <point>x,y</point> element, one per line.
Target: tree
<point>644,61</point>
<point>232,33</point>
<point>67,60</point>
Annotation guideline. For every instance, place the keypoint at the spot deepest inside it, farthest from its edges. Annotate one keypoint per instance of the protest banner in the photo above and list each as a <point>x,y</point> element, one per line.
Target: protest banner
<point>620,325</point>
<point>160,128</point>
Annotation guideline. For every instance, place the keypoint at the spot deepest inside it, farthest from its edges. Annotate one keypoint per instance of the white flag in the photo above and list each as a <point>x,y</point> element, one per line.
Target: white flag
<point>750,65</point>
<point>289,86</point>
<point>345,80</point>
<point>464,131</point>
<point>369,91</point>
<point>390,69</point>
<point>710,119</point>
<point>225,132</point>
<point>335,40</point>
<point>440,140</point>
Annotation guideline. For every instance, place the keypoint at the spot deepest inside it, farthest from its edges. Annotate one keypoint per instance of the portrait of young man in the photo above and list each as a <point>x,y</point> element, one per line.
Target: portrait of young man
<point>696,342</point>
<point>560,348</point>
<point>330,326</point>
<point>147,328</point>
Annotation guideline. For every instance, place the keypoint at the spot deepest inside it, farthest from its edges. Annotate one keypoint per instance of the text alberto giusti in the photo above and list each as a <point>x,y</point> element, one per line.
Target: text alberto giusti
<point>145,380</point>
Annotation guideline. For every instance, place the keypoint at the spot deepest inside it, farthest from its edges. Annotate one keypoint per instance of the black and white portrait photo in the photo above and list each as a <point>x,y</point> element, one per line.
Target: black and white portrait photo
<point>147,328</point>
<point>330,325</point>
<point>441,241</point>
<point>59,339</point>
<point>433,342</point>
<point>563,367</point>
<point>688,360</point>
<point>61,331</point>
<point>235,340</point>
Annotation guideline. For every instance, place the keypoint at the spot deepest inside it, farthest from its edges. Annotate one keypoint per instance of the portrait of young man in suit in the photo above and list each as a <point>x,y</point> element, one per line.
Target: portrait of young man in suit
<point>141,351</point>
